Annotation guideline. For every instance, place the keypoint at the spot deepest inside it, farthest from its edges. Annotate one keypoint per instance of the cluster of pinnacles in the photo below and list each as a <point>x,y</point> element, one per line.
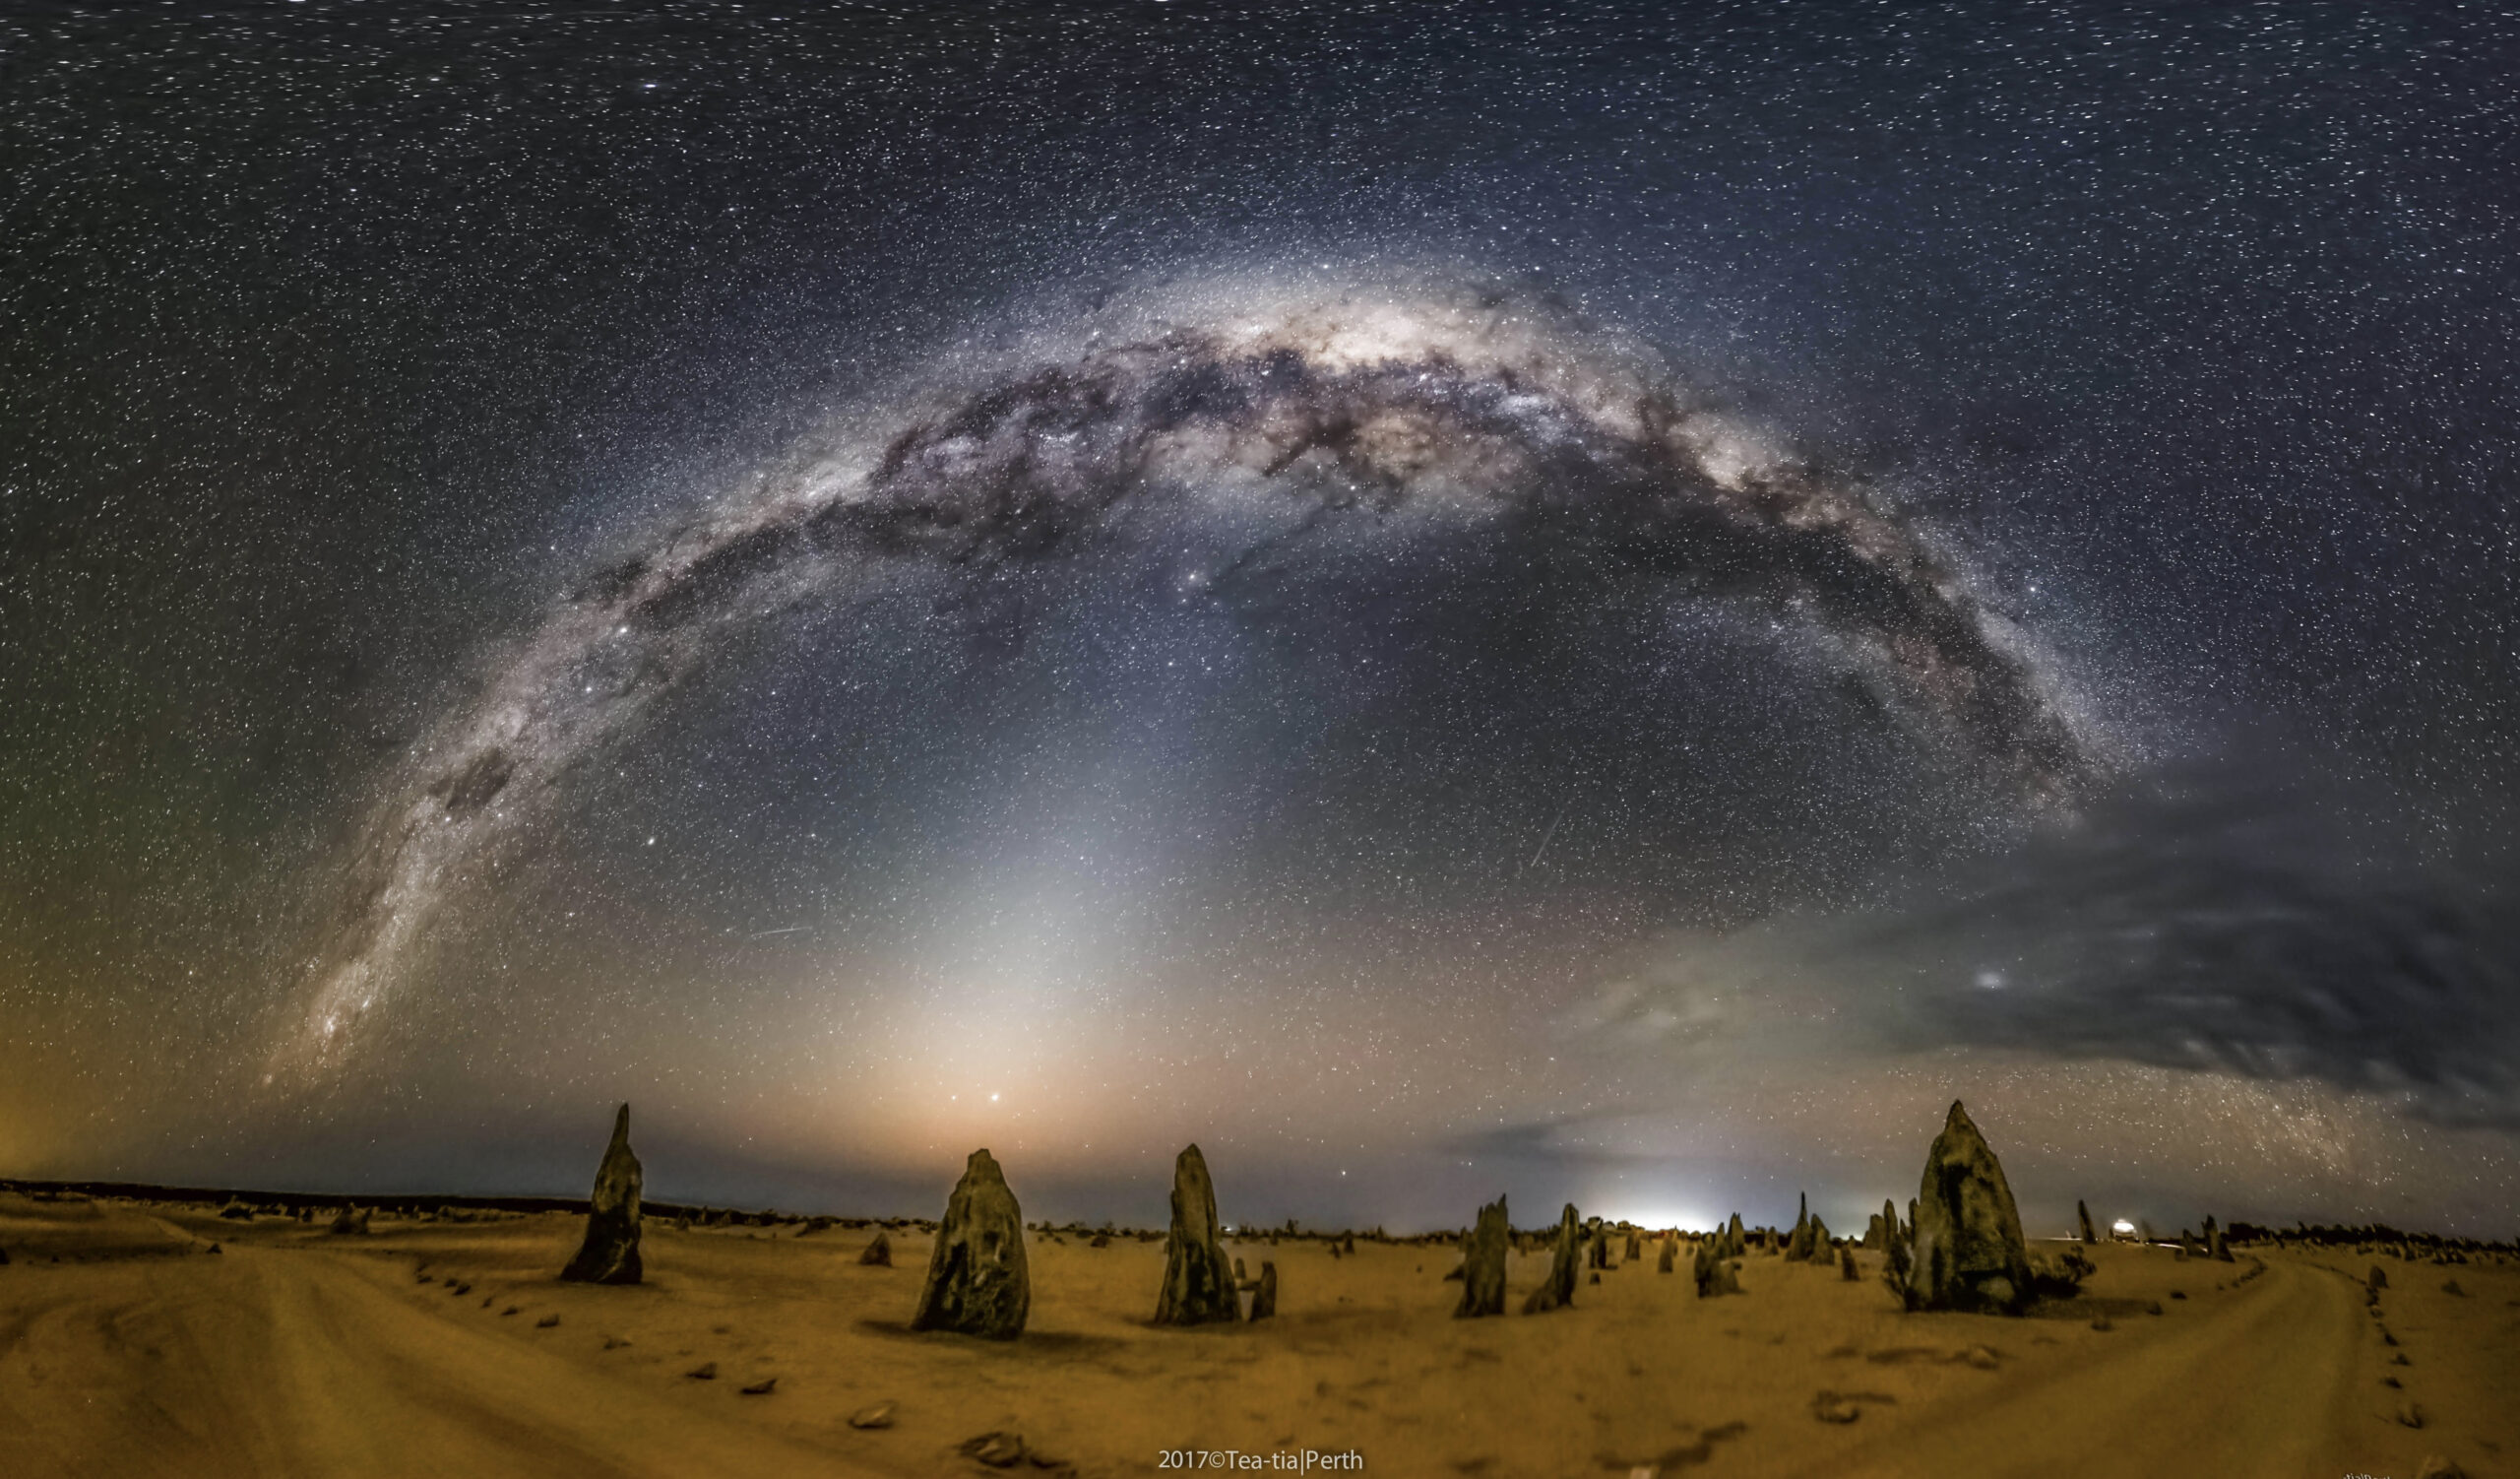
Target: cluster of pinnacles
<point>977,1281</point>
<point>1960,1246</point>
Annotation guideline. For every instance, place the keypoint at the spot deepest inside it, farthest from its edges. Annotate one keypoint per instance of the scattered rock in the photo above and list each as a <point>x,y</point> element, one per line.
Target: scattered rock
<point>878,1254</point>
<point>2378,1280</point>
<point>1969,1250</point>
<point>2082,1216</point>
<point>760,1388</point>
<point>1264,1300</point>
<point>613,1342</point>
<point>1671,1251</point>
<point>2410,1414</point>
<point>999,1450</point>
<point>1596,1277</point>
<point>610,1252</point>
<point>2452,1286</point>
<point>2393,1383</point>
<point>1560,1290</point>
<point>2437,1467</point>
<point>1483,1262</point>
<point>511,1310</point>
<point>1635,1247</point>
<point>2101,1323</point>
<point>1197,1289</point>
<point>548,1321</point>
<point>1983,1358</point>
<point>2179,1294</point>
<point>1847,1271</point>
<point>1101,1240</point>
<point>2400,1360</point>
<point>978,1282</point>
<point>351,1221</point>
<point>878,1416</point>
<point>1829,1407</point>
<point>706,1371</point>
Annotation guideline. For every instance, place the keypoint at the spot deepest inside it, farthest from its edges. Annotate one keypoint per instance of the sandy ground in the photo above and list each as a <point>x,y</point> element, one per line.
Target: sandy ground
<point>291,1352</point>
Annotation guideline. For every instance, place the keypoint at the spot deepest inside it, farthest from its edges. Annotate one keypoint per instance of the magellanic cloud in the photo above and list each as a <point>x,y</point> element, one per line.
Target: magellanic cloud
<point>2208,924</point>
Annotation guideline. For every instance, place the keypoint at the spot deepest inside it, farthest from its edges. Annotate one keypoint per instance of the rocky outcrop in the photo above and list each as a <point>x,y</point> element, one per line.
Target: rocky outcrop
<point>1968,1253</point>
<point>878,1254</point>
<point>2215,1248</point>
<point>351,1221</point>
<point>977,1281</point>
<point>1264,1297</point>
<point>1798,1245</point>
<point>1671,1251</point>
<point>1559,1291</point>
<point>1714,1272</point>
<point>1482,1264</point>
<point>610,1252</point>
<point>1198,1281</point>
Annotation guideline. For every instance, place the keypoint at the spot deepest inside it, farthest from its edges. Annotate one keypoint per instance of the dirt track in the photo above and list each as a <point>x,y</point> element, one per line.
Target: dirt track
<point>275,1361</point>
<point>289,1353</point>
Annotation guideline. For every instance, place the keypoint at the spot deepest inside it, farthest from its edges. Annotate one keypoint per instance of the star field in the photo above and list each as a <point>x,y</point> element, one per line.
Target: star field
<point>1616,601</point>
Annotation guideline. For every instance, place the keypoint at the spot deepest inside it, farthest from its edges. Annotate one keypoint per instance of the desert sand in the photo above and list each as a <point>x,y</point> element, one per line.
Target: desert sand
<point>127,1348</point>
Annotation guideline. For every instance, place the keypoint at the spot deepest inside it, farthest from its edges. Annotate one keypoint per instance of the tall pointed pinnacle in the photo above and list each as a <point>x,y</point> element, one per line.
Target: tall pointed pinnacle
<point>610,1252</point>
<point>978,1280</point>
<point>1969,1250</point>
<point>1797,1247</point>
<point>1198,1278</point>
<point>1483,1262</point>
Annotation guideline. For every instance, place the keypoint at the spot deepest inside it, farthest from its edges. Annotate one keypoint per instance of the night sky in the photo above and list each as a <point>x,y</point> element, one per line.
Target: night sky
<point>1602,602</point>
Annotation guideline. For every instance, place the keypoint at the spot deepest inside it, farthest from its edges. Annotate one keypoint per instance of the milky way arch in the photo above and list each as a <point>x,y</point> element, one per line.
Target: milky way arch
<point>1465,411</point>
